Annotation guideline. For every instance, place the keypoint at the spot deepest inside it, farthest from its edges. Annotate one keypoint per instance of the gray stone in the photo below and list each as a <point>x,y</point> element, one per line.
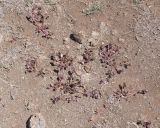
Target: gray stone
<point>36,121</point>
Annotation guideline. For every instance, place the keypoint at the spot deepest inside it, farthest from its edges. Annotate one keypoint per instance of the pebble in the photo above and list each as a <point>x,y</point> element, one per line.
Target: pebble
<point>137,38</point>
<point>95,34</point>
<point>86,78</point>
<point>95,38</point>
<point>66,41</point>
<point>121,40</point>
<point>79,58</point>
<point>36,121</point>
<point>1,38</point>
<point>76,38</point>
<point>105,29</point>
<point>114,32</point>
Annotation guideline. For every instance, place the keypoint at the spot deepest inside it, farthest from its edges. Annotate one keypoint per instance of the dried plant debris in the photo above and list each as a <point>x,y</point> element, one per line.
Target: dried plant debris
<point>30,65</point>
<point>125,63</point>
<point>37,18</point>
<point>88,55</point>
<point>141,92</point>
<point>55,99</point>
<point>76,38</point>
<point>41,73</point>
<point>121,92</point>
<point>144,124</point>
<point>65,98</point>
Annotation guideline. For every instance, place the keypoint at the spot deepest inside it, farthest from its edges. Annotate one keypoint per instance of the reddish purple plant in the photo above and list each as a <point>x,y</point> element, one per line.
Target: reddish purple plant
<point>107,53</point>
<point>37,18</point>
<point>121,92</point>
<point>88,55</point>
<point>30,65</point>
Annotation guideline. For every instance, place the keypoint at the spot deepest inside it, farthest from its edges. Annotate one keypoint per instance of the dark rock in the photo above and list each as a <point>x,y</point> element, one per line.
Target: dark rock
<point>76,38</point>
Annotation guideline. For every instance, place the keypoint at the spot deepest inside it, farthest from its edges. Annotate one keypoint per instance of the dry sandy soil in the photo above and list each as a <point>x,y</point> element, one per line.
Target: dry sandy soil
<point>80,63</point>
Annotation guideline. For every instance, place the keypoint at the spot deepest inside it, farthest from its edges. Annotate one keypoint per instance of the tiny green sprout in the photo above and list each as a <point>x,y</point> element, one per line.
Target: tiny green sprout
<point>136,2</point>
<point>92,8</point>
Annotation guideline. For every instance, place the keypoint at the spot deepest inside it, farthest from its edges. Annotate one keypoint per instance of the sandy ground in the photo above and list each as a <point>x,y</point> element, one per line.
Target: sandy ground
<point>80,63</point>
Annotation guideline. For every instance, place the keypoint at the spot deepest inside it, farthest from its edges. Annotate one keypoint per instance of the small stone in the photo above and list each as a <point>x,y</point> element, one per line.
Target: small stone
<point>114,32</point>
<point>79,72</point>
<point>78,69</point>
<point>105,29</point>
<point>93,41</point>
<point>36,121</point>
<point>66,41</point>
<point>79,58</point>
<point>95,34</point>
<point>76,38</point>
<point>121,40</point>
<point>1,38</point>
<point>67,46</point>
<point>85,78</point>
<point>137,38</point>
